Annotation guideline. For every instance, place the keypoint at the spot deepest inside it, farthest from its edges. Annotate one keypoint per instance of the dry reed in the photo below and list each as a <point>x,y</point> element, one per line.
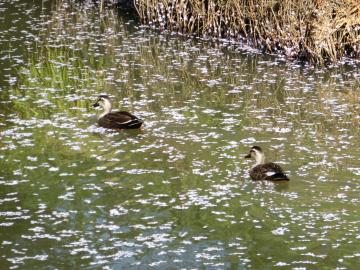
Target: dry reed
<point>318,31</point>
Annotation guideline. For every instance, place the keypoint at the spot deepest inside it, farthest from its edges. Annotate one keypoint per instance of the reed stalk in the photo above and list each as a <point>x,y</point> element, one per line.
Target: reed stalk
<point>318,31</point>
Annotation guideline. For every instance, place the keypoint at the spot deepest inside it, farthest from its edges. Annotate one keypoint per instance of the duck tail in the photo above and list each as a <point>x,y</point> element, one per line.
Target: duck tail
<point>135,123</point>
<point>279,177</point>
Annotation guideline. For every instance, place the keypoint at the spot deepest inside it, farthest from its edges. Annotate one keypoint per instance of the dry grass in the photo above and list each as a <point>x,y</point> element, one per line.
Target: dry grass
<point>318,31</point>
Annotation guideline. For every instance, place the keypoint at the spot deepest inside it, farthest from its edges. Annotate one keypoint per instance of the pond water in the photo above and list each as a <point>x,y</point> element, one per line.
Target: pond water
<point>176,194</point>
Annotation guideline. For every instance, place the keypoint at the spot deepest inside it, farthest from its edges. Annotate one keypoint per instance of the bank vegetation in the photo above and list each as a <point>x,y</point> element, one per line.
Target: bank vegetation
<point>318,31</point>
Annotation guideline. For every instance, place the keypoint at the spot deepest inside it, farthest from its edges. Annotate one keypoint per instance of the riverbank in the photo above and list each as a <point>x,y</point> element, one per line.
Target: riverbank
<point>318,31</point>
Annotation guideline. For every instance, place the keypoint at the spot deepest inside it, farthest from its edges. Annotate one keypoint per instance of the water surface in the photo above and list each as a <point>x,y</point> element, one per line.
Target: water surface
<point>177,193</point>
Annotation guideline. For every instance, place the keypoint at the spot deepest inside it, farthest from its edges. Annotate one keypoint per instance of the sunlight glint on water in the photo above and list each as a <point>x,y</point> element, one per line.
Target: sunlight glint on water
<point>177,193</point>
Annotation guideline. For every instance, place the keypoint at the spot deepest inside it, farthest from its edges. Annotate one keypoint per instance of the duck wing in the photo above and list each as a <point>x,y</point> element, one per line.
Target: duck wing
<point>268,171</point>
<point>120,120</point>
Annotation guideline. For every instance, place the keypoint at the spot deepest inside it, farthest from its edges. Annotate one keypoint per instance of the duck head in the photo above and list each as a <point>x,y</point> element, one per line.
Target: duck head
<point>256,153</point>
<point>104,102</point>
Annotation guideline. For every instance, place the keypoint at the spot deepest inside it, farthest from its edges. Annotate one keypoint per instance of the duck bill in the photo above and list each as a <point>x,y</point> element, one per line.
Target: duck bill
<point>96,105</point>
<point>248,156</point>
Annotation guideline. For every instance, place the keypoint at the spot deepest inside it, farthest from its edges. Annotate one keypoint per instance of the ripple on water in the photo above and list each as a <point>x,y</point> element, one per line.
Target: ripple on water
<point>176,194</point>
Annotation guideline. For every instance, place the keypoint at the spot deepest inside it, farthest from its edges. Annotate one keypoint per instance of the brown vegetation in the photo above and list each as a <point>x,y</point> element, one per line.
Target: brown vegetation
<point>318,31</point>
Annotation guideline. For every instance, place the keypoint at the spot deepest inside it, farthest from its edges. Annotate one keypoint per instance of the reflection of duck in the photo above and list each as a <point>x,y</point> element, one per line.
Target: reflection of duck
<point>262,170</point>
<point>115,120</point>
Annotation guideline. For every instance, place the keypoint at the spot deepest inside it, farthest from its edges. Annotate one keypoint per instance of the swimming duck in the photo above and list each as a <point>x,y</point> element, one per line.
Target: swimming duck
<point>115,120</point>
<point>264,171</point>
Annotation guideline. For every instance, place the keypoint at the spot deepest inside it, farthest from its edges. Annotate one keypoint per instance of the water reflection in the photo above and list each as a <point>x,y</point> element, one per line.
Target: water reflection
<point>176,194</point>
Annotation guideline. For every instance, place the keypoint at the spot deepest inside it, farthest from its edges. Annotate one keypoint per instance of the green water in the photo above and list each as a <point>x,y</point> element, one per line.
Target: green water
<point>176,194</point>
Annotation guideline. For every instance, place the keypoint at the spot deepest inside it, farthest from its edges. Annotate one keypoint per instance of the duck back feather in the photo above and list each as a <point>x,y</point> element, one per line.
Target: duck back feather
<point>120,120</point>
<point>268,171</point>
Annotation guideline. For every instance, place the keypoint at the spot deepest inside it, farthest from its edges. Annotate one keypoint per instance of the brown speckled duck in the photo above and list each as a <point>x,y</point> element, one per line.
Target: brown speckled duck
<point>115,120</point>
<point>264,171</point>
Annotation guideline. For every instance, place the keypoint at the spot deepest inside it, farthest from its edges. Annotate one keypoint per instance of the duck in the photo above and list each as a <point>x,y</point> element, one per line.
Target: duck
<point>264,171</point>
<point>115,120</point>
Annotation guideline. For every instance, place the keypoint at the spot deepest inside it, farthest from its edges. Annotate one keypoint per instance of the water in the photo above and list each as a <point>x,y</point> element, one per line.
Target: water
<point>176,194</point>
